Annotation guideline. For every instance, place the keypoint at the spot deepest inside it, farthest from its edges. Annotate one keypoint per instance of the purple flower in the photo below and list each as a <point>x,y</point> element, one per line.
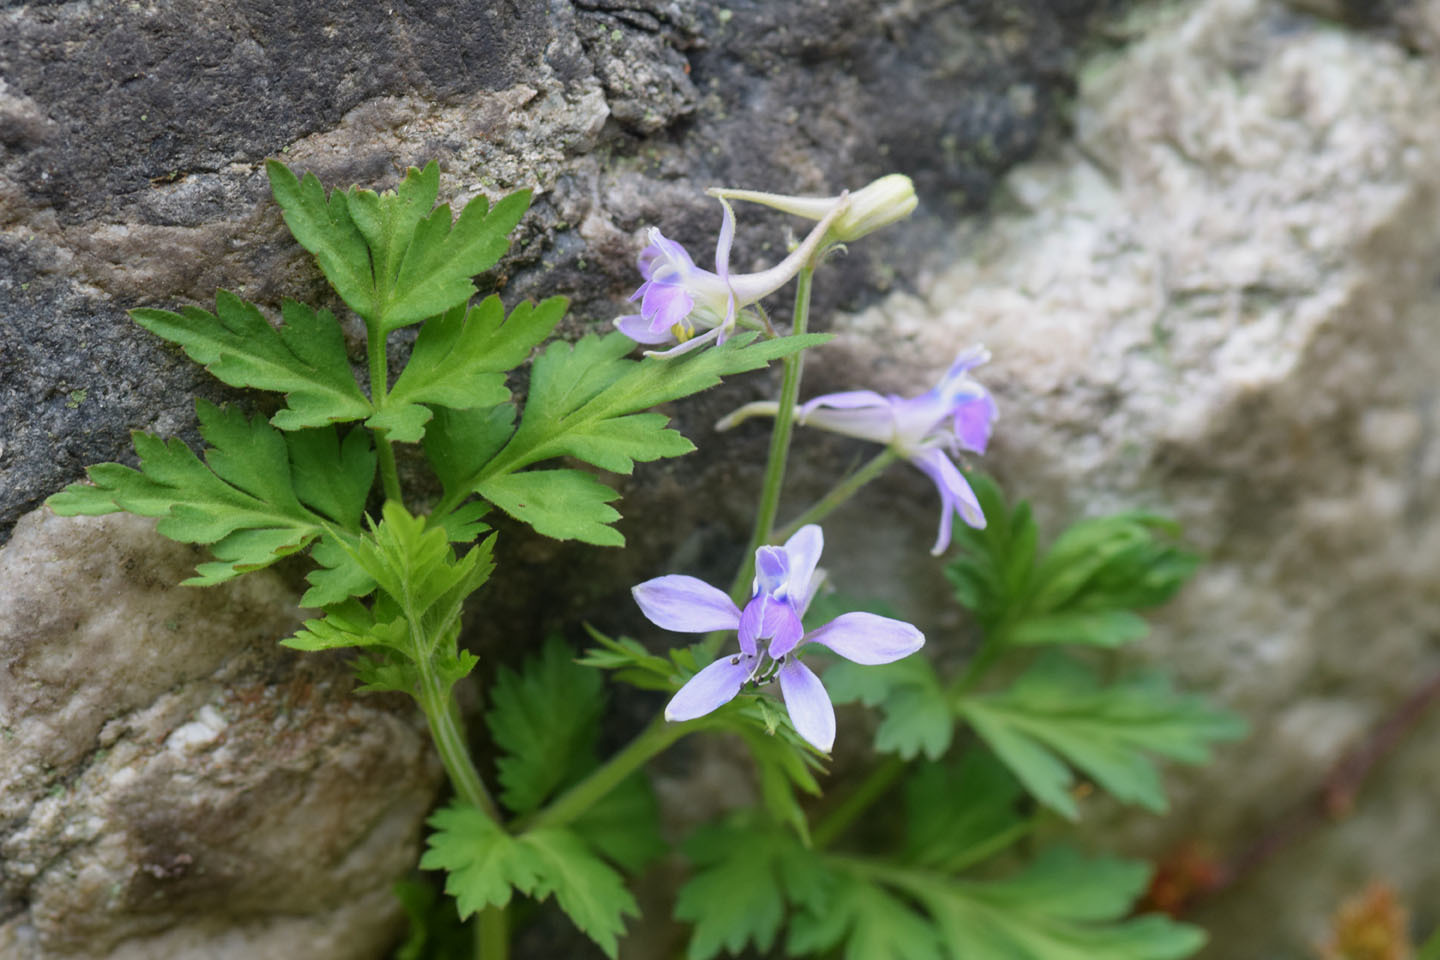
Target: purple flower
<point>677,297</point>
<point>955,416</point>
<point>770,632</point>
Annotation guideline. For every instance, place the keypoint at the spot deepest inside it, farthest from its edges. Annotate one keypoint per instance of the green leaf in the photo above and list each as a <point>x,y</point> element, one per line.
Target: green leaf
<point>1100,628</point>
<point>585,401</point>
<point>917,715</point>
<point>564,504</point>
<point>1057,713</point>
<point>590,892</point>
<point>959,814</point>
<point>546,719</point>
<point>412,561</point>
<point>783,763</point>
<point>744,869</point>
<point>484,864</point>
<point>1083,592</point>
<point>352,624</point>
<point>584,398</point>
<point>459,442</point>
<point>1128,560</point>
<point>443,256</point>
<point>632,663</point>
<point>1061,907</point>
<point>460,360</point>
<point>993,571</point>
<point>388,220</point>
<point>624,825</point>
<point>391,258</point>
<point>324,227</point>
<point>332,476</point>
<point>304,359</point>
<point>338,575</point>
<point>871,922</point>
<point>244,501</point>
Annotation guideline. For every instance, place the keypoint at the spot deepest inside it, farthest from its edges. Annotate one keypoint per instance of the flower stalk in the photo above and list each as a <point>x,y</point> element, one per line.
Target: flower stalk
<point>794,368</point>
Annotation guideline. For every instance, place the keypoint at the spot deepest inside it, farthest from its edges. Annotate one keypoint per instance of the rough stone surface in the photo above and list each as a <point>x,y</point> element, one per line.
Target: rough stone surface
<point>132,137</point>
<point>174,784</point>
<point>1220,301</point>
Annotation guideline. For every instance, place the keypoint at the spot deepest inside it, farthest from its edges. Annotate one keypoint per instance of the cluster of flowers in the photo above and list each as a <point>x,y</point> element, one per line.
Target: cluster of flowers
<point>677,299</point>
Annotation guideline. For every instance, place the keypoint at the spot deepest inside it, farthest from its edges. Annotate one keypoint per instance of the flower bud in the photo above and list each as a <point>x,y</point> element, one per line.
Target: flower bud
<point>876,205</point>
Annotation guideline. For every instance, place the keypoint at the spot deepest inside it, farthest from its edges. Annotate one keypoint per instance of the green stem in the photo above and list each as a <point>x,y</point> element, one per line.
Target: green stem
<point>794,366</point>
<point>841,492</point>
<point>379,386</point>
<point>444,718</point>
<point>492,934</point>
<point>869,790</point>
<point>578,799</point>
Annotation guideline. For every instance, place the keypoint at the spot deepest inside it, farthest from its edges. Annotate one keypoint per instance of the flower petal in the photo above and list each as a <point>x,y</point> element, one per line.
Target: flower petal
<point>845,400</point>
<point>955,495</point>
<point>727,238</point>
<point>855,413</point>
<point>868,638</point>
<point>639,329</point>
<point>712,687</point>
<point>686,605</point>
<point>766,617</point>
<point>803,550</point>
<point>772,569</point>
<point>973,420</point>
<point>694,343</point>
<point>808,704</point>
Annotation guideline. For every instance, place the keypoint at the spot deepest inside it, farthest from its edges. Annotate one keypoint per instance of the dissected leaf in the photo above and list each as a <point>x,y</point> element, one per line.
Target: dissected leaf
<point>304,359</point>
<point>564,504</point>
<point>1061,907</point>
<point>958,814</point>
<point>632,663</point>
<point>546,720</point>
<point>460,360</point>
<point>243,501</point>
<point>1057,713</point>
<point>442,257</point>
<point>590,892</point>
<point>1082,592</point>
<point>745,869</point>
<point>484,864</point>
<point>917,715</point>
<point>589,400</point>
<point>872,923</point>
<point>391,258</point>
<point>412,561</point>
<point>624,825</point>
<point>323,226</point>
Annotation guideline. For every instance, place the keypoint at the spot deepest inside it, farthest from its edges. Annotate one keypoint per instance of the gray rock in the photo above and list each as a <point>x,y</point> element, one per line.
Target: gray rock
<point>133,137</point>
<point>1220,301</point>
<point>174,783</point>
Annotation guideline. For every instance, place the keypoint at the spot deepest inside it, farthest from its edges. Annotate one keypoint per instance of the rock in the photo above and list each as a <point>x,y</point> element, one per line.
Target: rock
<point>1219,302</point>
<point>175,784</point>
<point>134,137</point>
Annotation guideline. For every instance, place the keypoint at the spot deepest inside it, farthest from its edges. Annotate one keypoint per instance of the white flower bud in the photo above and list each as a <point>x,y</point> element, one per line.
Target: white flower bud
<point>875,205</point>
